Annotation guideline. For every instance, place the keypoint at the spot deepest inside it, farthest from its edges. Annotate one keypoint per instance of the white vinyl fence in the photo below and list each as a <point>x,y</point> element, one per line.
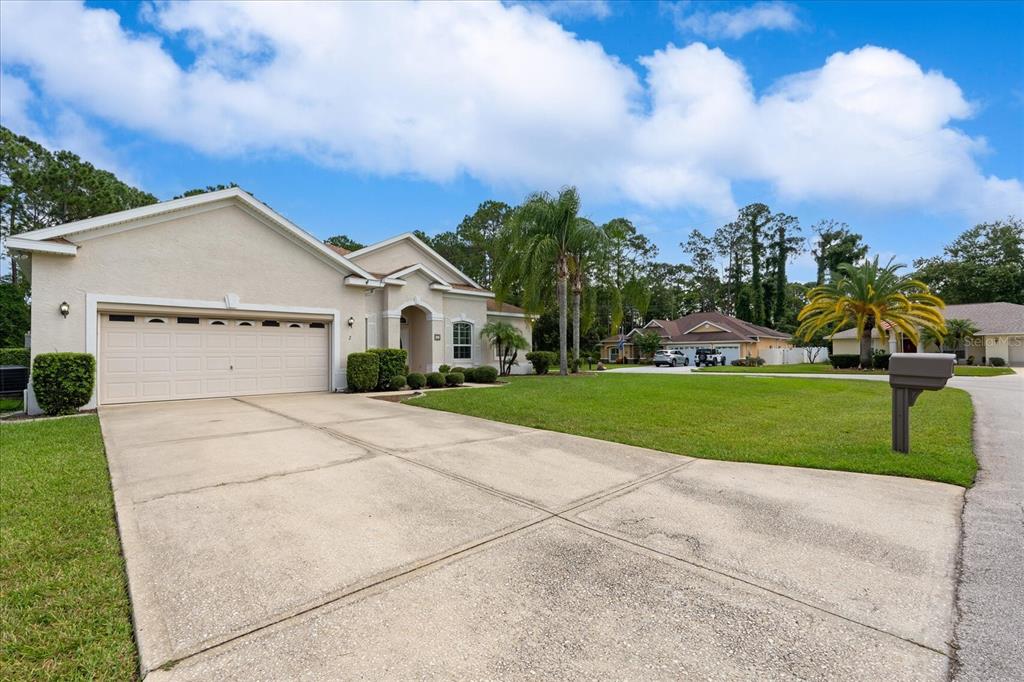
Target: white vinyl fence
<point>794,356</point>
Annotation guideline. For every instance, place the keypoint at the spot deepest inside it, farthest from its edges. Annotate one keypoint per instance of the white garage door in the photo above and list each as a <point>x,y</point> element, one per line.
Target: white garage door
<point>168,357</point>
<point>1016,344</point>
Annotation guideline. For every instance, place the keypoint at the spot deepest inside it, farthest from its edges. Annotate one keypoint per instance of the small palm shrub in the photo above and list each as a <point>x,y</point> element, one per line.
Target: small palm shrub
<point>435,380</point>
<point>416,380</point>
<point>363,370</point>
<point>63,382</point>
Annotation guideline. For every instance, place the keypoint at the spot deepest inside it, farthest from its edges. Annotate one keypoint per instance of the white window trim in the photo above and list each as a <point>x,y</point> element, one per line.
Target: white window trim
<point>93,301</point>
<point>472,327</point>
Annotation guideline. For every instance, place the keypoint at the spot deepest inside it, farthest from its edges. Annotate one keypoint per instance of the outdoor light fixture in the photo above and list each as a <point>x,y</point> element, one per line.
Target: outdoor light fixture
<point>65,309</point>
<point>351,321</point>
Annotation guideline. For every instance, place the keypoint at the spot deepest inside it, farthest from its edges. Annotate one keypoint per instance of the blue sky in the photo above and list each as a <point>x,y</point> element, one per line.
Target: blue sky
<point>903,119</point>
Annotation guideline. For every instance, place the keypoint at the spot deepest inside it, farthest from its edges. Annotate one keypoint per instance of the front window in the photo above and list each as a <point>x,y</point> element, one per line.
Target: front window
<point>462,340</point>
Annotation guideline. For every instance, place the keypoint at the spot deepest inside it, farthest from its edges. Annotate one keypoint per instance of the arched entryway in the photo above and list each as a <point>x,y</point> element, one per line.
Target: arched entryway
<point>415,335</point>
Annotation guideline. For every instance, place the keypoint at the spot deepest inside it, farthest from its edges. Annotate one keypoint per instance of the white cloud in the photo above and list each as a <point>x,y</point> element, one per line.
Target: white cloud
<point>58,129</point>
<point>735,23</point>
<point>507,96</point>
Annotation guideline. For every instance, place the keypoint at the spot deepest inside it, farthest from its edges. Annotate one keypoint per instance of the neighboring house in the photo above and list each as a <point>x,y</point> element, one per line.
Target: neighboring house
<point>730,336</point>
<point>1000,335</point>
<point>218,295</point>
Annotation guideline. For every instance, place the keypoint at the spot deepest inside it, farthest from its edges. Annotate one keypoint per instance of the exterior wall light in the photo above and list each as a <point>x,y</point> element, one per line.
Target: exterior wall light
<point>351,321</point>
<point>65,309</point>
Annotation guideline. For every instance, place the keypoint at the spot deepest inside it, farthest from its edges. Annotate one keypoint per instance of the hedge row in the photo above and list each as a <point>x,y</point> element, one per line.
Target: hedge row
<point>14,356</point>
<point>842,361</point>
<point>384,369</point>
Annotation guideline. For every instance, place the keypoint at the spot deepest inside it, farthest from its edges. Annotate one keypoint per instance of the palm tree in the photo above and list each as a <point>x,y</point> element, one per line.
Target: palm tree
<point>872,296</point>
<point>507,342</point>
<point>587,244</point>
<point>542,237</point>
<point>957,333</point>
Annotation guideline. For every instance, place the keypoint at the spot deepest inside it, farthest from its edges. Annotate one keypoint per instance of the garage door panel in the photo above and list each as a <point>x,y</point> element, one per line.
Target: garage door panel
<point>196,360</point>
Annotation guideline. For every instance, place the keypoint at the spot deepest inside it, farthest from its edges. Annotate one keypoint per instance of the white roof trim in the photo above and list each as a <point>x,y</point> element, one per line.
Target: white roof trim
<point>246,199</point>
<point>401,274</point>
<point>483,293</point>
<point>497,313</point>
<point>21,244</point>
<point>716,326</point>
<point>419,242</point>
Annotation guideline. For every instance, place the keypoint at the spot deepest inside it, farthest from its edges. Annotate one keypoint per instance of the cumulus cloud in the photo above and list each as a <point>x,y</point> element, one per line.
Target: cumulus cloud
<point>507,96</point>
<point>735,23</point>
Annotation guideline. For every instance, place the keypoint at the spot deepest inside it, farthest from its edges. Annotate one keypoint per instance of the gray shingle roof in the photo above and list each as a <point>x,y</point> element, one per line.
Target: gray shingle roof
<point>989,318</point>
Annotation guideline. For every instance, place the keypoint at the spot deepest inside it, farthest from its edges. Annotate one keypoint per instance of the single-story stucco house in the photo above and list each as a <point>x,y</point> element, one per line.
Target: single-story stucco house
<point>1000,335</point>
<point>218,295</point>
<point>732,337</point>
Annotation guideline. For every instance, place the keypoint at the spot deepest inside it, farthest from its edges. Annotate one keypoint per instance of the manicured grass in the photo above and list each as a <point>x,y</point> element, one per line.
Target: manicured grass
<point>799,422</point>
<point>9,404</point>
<point>824,368</point>
<point>64,610</point>
<point>971,371</point>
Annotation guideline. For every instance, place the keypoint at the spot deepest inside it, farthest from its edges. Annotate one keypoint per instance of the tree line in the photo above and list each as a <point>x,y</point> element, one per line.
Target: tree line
<point>616,283</point>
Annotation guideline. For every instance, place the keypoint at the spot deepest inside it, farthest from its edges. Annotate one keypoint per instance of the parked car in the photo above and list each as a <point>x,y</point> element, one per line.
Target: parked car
<point>708,357</point>
<point>670,358</point>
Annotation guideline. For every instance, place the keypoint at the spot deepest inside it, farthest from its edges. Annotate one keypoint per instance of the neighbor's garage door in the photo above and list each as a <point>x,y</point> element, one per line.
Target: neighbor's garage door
<point>1016,344</point>
<point>167,357</point>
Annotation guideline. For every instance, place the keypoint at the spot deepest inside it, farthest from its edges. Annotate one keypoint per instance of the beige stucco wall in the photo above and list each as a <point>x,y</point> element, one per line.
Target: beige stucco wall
<point>852,346</point>
<point>401,254</point>
<point>203,256</point>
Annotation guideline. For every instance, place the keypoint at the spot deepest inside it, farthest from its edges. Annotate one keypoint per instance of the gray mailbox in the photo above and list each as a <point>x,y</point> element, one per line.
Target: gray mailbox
<point>909,374</point>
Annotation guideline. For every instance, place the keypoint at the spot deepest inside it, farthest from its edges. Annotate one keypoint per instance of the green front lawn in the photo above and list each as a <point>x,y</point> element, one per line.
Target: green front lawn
<point>798,422</point>
<point>825,368</point>
<point>9,404</point>
<point>64,610</point>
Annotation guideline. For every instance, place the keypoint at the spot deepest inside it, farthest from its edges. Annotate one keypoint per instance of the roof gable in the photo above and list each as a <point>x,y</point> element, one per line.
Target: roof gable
<point>376,254</point>
<point>144,216</point>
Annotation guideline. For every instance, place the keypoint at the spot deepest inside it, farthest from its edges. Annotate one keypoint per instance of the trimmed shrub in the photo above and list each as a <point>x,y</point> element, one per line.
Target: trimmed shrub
<point>454,378</point>
<point>880,360</point>
<point>397,382</point>
<point>435,380</point>
<point>738,363</point>
<point>485,374</point>
<point>460,370</point>
<point>542,360</point>
<point>363,370</point>
<point>416,380</point>
<point>392,364</point>
<point>997,362</point>
<point>470,375</point>
<point>845,361</point>
<point>444,369</point>
<point>63,382</point>
<point>14,356</point>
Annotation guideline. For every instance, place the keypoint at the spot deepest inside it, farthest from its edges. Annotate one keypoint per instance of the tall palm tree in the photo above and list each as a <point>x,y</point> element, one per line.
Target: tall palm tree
<point>588,242</point>
<point>540,241</point>
<point>871,296</point>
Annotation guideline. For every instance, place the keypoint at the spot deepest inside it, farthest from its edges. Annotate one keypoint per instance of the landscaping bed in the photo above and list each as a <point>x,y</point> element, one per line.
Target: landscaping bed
<point>64,611</point>
<point>825,368</point>
<point>816,423</point>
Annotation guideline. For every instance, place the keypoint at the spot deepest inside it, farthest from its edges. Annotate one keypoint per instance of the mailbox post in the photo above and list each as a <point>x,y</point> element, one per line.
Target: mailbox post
<point>909,374</point>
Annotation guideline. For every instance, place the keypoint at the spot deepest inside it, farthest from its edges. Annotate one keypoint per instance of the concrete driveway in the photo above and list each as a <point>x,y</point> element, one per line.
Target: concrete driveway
<point>320,536</point>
